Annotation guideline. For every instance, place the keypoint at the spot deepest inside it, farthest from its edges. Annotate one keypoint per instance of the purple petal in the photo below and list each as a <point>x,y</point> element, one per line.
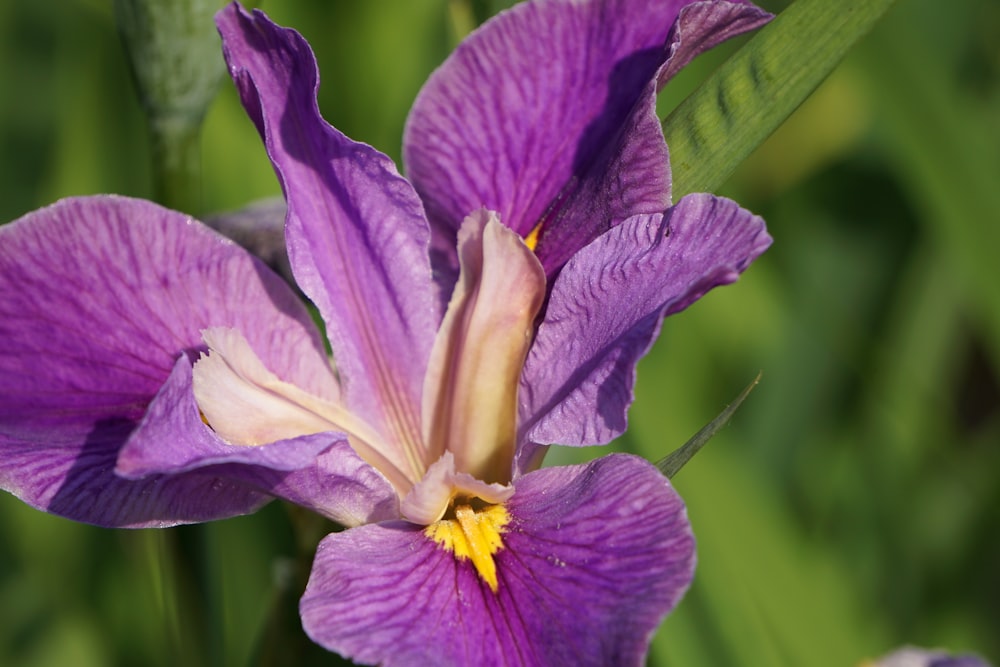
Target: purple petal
<point>546,114</point>
<point>606,308</point>
<point>98,298</point>
<point>260,228</point>
<point>319,471</point>
<point>702,25</point>
<point>910,656</point>
<point>594,557</point>
<point>356,232</point>
<point>70,474</point>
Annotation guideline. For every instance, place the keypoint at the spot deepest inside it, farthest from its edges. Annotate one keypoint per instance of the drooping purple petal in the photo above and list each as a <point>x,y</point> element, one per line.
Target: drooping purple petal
<point>70,474</point>
<point>319,471</point>
<point>98,298</point>
<point>356,232</point>
<point>606,308</point>
<point>594,557</point>
<point>546,114</point>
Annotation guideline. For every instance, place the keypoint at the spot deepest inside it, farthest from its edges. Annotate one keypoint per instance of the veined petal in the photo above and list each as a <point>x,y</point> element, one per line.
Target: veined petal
<point>546,114</point>
<point>593,557</point>
<point>98,298</point>
<point>58,474</point>
<point>260,228</point>
<point>702,25</point>
<point>470,393</point>
<point>356,233</point>
<point>606,308</point>
<point>319,471</point>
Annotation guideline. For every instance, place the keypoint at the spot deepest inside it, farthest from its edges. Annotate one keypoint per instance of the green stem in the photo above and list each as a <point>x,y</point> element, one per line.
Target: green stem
<point>176,155</point>
<point>176,61</point>
<point>172,588</point>
<point>712,131</point>
<point>282,640</point>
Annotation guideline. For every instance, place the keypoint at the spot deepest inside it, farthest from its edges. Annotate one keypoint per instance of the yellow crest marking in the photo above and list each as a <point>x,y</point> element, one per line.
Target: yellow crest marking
<point>474,535</point>
<point>531,240</point>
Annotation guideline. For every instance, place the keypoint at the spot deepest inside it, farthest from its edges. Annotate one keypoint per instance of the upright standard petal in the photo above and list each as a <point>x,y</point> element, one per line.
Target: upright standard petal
<point>99,297</point>
<point>546,114</point>
<point>356,232</point>
<point>592,558</point>
<point>606,308</point>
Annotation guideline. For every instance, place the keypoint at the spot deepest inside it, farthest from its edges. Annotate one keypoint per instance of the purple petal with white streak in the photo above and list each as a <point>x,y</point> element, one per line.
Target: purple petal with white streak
<point>98,298</point>
<point>606,308</point>
<point>546,114</point>
<point>356,233</point>
<point>319,471</point>
<point>594,557</point>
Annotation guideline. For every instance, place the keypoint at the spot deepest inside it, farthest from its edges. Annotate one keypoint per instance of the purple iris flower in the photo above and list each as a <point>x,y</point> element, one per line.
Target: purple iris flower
<point>497,302</point>
<point>910,656</point>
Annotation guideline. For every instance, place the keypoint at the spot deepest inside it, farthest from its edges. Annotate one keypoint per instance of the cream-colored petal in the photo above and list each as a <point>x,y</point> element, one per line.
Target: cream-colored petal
<point>247,404</point>
<point>429,499</point>
<point>470,393</point>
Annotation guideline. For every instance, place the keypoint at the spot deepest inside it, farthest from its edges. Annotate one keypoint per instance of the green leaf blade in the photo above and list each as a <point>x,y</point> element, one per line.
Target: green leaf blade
<point>712,131</point>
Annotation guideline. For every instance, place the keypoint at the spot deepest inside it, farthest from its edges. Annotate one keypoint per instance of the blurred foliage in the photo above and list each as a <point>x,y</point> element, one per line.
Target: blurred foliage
<point>852,505</point>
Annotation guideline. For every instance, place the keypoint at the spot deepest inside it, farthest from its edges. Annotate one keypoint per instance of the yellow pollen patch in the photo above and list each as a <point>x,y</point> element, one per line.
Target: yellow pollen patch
<point>531,240</point>
<point>474,535</point>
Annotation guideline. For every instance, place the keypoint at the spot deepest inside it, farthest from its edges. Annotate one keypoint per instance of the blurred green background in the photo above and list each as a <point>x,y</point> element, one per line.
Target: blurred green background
<point>853,504</point>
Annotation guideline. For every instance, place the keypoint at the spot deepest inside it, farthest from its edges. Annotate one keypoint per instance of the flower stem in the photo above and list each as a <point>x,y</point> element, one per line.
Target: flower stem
<point>282,640</point>
<point>177,66</point>
<point>176,154</point>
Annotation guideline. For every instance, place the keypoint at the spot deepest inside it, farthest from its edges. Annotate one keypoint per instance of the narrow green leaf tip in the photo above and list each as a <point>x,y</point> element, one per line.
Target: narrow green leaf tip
<point>677,459</point>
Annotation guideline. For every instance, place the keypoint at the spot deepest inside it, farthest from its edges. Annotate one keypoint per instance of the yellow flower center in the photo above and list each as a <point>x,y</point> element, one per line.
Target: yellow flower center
<point>473,534</point>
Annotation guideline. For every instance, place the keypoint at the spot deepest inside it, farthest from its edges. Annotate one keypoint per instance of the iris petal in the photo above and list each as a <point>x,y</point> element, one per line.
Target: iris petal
<point>592,559</point>
<point>431,497</point>
<point>356,233</point>
<point>100,297</point>
<point>546,114</point>
<point>321,471</point>
<point>606,308</point>
<point>245,403</point>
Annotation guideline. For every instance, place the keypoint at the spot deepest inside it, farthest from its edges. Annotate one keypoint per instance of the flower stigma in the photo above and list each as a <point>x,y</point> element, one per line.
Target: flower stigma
<point>473,534</point>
